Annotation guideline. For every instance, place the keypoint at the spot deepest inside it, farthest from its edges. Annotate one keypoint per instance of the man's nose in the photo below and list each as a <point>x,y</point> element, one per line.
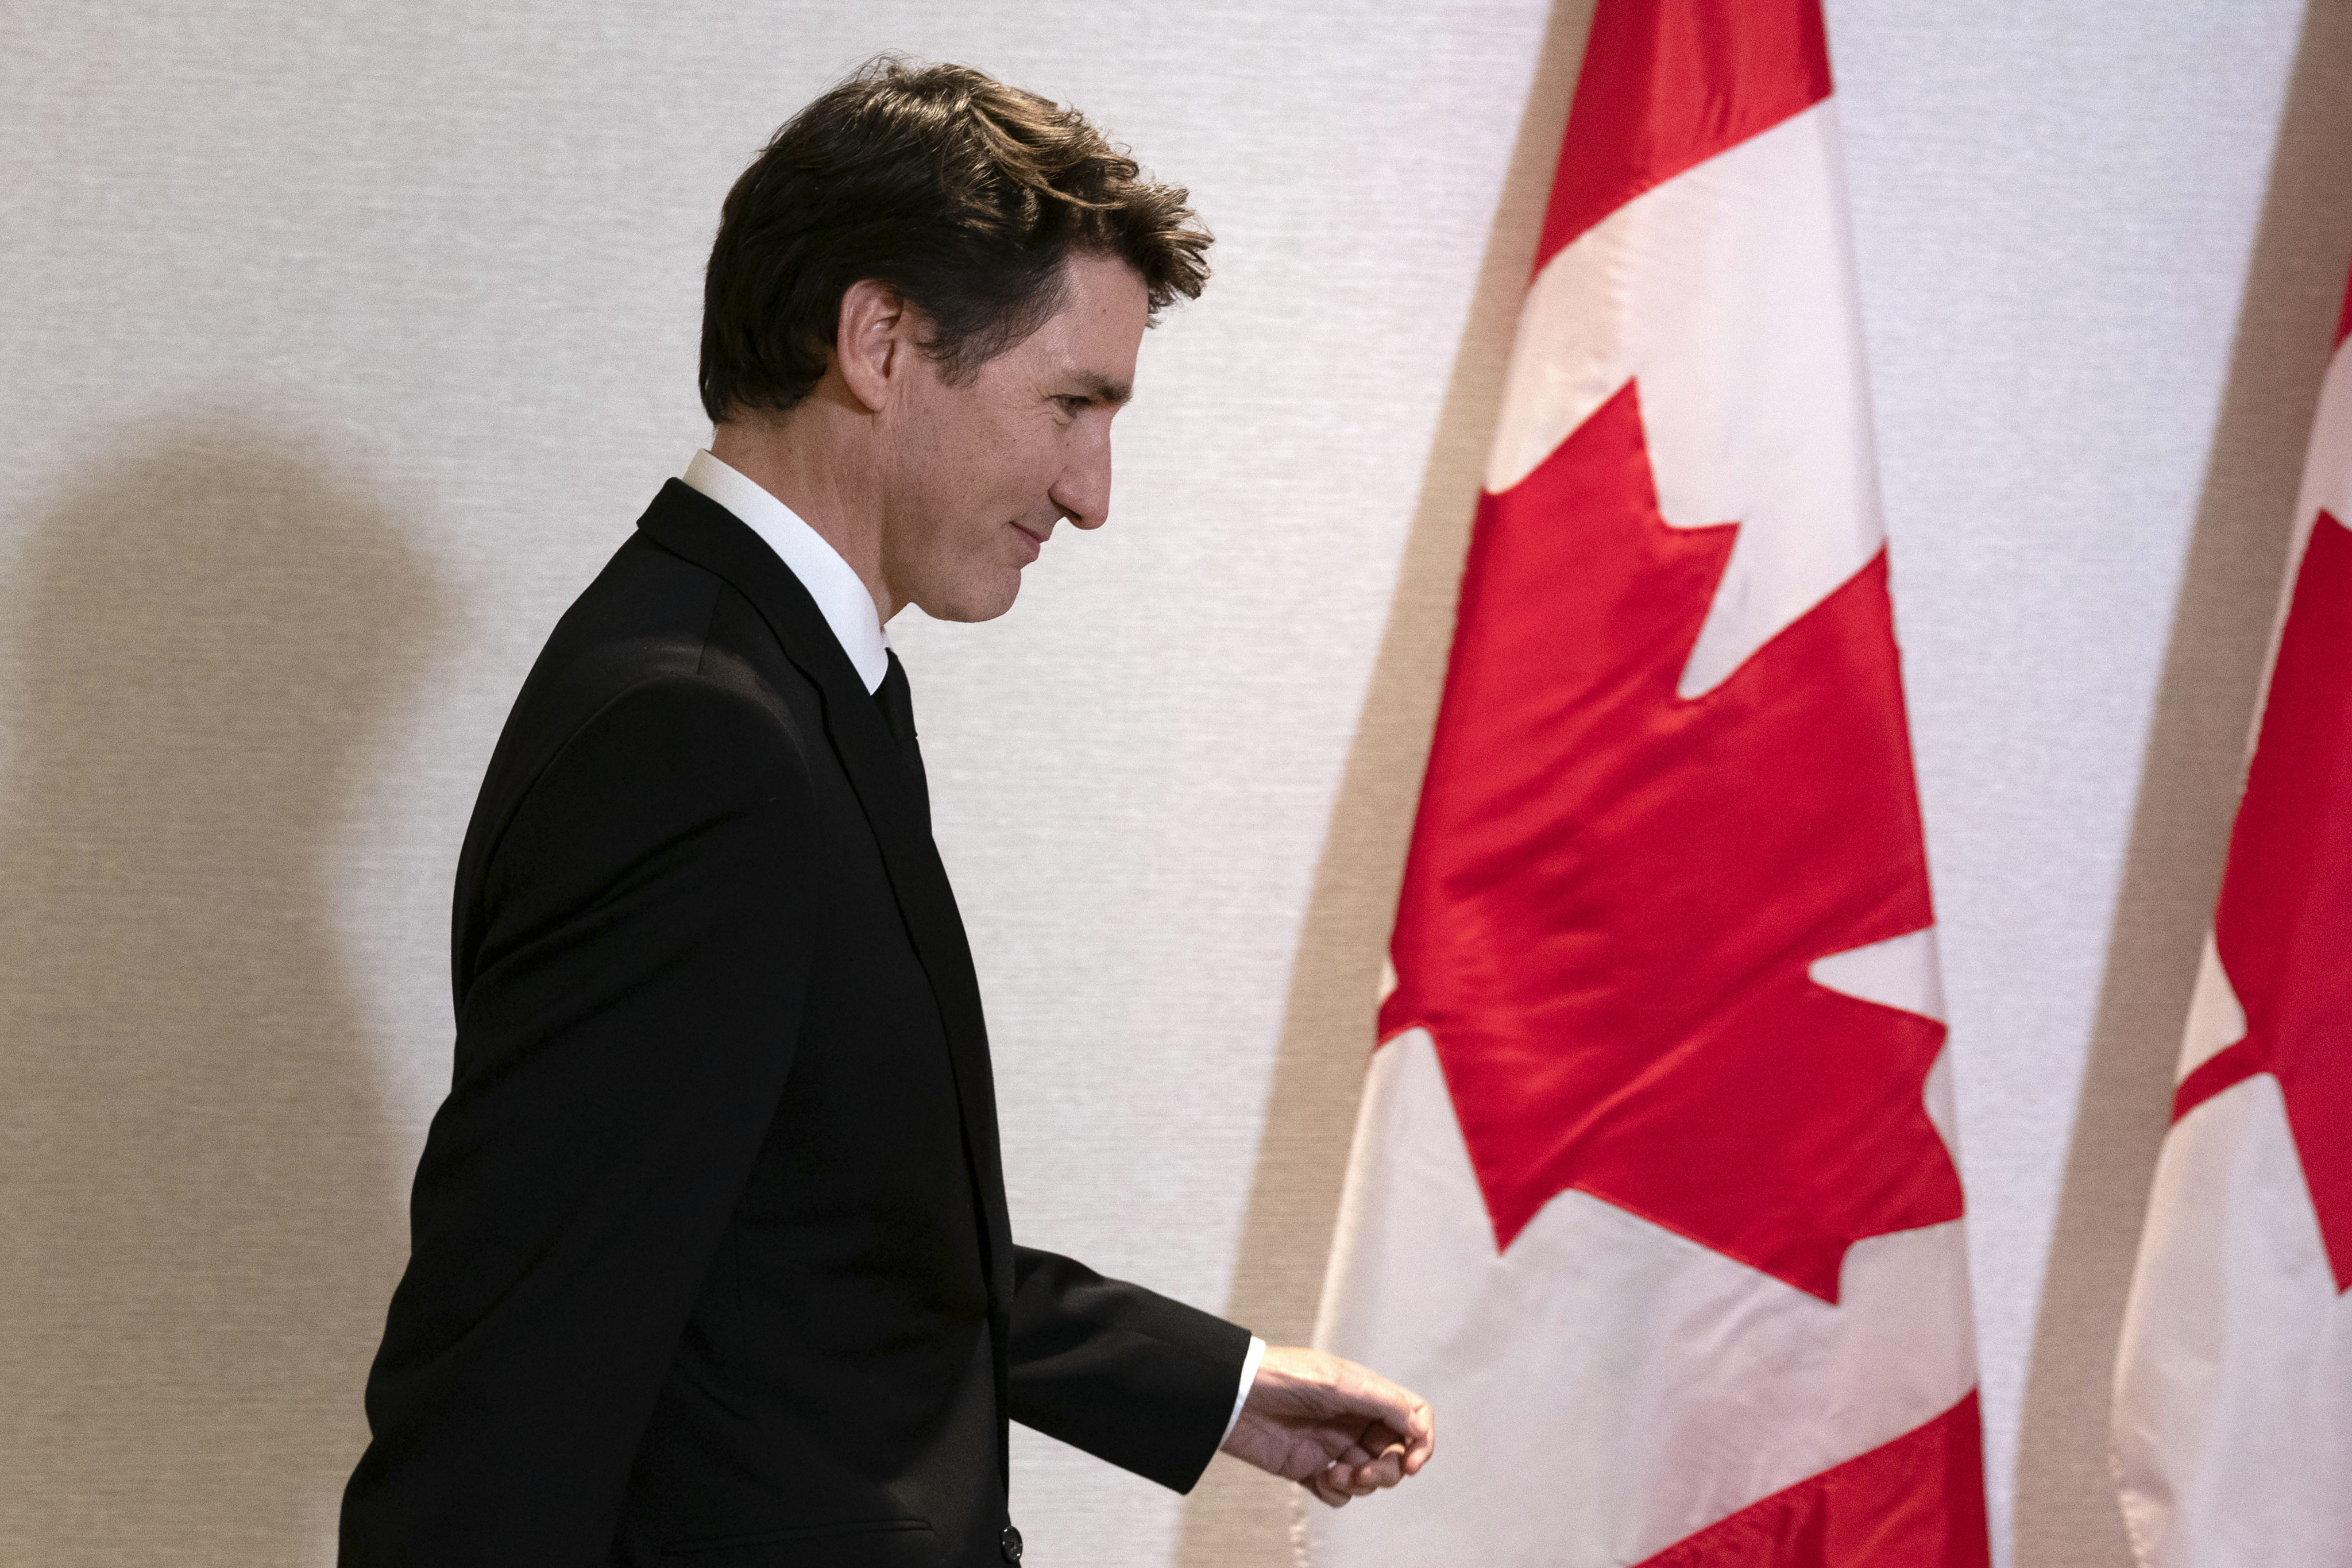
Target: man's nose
<point>1082,491</point>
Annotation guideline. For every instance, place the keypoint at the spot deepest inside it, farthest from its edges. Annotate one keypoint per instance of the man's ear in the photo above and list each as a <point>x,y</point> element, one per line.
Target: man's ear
<point>873,341</point>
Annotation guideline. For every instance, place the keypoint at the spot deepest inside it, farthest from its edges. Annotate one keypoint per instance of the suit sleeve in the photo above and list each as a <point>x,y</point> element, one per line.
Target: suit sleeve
<point>621,1044</point>
<point>1123,1372</point>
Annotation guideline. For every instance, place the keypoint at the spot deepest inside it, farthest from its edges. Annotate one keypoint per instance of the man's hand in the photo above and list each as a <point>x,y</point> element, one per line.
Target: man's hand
<point>1337,1429</point>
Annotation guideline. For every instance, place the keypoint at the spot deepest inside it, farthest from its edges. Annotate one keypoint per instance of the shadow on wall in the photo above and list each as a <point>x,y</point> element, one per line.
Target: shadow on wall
<point>1238,1515</point>
<point>2066,1510</point>
<point>198,1185</point>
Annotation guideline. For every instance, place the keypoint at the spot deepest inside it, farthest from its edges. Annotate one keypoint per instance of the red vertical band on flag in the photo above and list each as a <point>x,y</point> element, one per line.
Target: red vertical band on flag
<point>2284,926</point>
<point>1916,1502</point>
<point>1666,84</point>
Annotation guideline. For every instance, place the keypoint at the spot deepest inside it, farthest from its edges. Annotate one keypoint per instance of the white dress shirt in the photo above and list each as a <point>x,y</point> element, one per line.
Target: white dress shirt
<point>840,593</point>
<point>849,610</point>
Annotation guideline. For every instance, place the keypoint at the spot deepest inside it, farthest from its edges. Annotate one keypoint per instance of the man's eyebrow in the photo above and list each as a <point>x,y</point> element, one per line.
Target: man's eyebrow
<point>1103,390</point>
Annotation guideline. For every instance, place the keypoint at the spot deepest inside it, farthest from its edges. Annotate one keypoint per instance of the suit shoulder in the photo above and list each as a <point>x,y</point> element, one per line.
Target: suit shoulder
<point>647,613</point>
<point>649,617</point>
<point>634,660</point>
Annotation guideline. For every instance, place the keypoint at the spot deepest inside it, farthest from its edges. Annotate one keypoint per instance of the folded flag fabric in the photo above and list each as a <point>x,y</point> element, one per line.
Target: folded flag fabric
<point>1654,1191</point>
<point>2234,1380</point>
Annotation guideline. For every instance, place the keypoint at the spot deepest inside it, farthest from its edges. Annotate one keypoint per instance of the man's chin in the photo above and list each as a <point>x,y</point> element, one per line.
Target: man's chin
<point>975,602</point>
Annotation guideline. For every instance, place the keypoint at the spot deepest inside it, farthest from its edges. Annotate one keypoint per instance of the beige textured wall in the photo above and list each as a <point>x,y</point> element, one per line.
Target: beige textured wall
<point>339,343</point>
<point>2220,628</point>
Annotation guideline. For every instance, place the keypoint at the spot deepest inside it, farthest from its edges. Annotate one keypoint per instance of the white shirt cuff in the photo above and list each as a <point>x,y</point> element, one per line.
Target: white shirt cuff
<point>1249,1377</point>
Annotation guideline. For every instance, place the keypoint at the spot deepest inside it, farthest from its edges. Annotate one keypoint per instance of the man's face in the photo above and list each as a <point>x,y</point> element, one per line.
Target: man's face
<point>980,473</point>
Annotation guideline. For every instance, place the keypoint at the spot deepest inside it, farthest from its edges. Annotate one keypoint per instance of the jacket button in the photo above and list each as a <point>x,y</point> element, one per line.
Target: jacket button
<point>1009,1544</point>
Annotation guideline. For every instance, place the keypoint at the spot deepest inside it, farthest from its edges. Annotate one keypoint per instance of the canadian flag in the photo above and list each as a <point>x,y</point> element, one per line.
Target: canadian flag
<point>1653,1193</point>
<point>2233,1384</point>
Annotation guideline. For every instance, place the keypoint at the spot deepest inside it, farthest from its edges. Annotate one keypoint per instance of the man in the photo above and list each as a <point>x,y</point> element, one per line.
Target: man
<point>711,1262</point>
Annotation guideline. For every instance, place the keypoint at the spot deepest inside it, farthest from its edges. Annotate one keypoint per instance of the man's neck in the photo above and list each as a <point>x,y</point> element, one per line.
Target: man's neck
<point>805,462</point>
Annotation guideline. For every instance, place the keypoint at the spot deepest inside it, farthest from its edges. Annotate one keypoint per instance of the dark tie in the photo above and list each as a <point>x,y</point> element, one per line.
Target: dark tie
<point>897,704</point>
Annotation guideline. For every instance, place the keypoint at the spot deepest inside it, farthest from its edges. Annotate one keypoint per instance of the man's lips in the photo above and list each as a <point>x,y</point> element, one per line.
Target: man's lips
<point>1037,540</point>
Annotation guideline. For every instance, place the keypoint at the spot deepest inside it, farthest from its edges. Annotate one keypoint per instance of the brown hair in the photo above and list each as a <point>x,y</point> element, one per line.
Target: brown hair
<point>962,194</point>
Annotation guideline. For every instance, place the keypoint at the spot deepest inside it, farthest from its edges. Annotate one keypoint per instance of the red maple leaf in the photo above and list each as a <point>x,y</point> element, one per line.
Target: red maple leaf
<point>1613,892</point>
<point>2284,927</point>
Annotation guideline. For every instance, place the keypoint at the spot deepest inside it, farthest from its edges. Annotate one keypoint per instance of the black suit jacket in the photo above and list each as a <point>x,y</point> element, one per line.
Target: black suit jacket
<point>710,1261</point>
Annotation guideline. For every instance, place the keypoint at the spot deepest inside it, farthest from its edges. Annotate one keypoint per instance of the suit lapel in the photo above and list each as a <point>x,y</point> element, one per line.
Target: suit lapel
<point>688,523</point>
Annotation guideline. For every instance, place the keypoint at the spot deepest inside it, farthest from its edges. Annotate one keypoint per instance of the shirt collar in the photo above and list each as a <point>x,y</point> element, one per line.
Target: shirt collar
<point>841,596</point>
